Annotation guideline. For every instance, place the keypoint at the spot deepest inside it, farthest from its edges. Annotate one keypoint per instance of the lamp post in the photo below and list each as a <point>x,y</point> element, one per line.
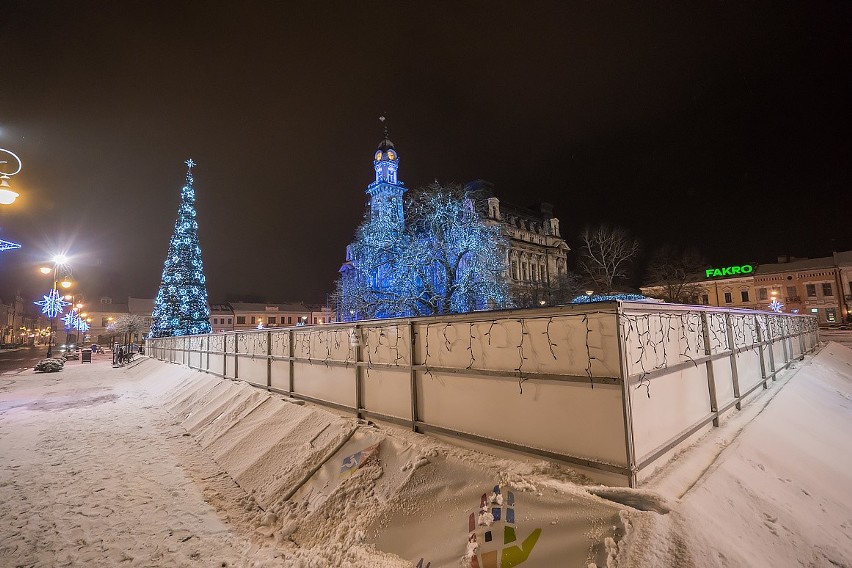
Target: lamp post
<point>53,305</point>
<point>7,196</point>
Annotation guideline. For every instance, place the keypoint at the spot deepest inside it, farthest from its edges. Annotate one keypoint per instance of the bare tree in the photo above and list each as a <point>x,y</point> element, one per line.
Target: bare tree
<point>606,256</point>
<point>676,272</point>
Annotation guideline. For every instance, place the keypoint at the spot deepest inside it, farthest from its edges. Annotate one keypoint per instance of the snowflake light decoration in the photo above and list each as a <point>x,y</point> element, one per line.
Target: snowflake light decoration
<point>8,245</point>
<point>775,305</point>
<point>53,304</point>
<point>73,320</point>
<point>70,320</point>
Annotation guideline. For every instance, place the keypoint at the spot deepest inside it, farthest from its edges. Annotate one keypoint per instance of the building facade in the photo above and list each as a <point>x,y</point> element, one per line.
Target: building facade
<point>536,260</point>
<point>103,315</point>
<point>818,286</point>
<point>221,318</point>
<point>250,315</point>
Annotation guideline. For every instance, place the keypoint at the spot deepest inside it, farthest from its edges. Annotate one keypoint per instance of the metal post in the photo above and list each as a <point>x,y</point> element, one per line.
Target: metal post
<point>291,339</point>
<point>236,355</point>
<point>413,375</point>
<point>711,381</point>
<point>268,359</point>
<point>735,378</point>
<point>784,342</point>
<point>771,346</point>
<point>760,347</point>
<point>626,406</point>
<point>358,373</point>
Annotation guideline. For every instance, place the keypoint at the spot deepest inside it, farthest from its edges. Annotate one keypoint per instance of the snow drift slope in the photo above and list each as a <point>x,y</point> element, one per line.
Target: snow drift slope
<point>351,493</point>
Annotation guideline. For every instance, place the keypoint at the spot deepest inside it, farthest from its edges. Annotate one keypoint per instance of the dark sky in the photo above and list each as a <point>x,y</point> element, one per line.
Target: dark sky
<point>723,125</point>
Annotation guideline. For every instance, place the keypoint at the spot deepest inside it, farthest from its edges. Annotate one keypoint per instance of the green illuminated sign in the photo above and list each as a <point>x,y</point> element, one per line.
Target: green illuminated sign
<point>729,271</point>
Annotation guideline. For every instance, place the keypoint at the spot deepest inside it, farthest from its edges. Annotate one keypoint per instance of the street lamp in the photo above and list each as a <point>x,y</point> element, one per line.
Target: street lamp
<point>7,196</point>
<point>53,304</point>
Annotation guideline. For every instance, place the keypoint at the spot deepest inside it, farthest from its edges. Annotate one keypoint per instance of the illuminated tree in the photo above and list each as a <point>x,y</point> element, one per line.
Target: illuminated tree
<point>443,258</point>
<point>181,305</point>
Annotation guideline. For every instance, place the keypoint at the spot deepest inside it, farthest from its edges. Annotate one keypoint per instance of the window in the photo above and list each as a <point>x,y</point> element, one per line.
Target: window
<point>271,320</point>
<point>523,271</point>
<point>744,295</point>
<point>215,321</point>
<point>104,322</point>
<point>241,320</point>
<point>514,270</point>
<point>826,289</point>
<point>542,273</point>
<point>289,319</point>
<point>791,292</point>
<point>253,320</point>
<point>728,298</point>
<point>830,315</point>
<point>705,299</point>
<point>810,290</point>
<point>229,320</point>
<point>761,294</point>
<point>315,321</point>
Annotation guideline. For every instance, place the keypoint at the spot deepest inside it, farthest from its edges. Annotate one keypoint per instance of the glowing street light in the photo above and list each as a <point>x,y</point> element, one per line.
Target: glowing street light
<point>53,303</point>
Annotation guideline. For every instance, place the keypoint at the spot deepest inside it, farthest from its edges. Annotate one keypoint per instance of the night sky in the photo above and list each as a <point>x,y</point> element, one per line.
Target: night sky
<point>721,125</point>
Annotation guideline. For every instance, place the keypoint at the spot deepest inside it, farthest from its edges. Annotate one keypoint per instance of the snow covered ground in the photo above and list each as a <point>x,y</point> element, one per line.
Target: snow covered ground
<point>157,465</point>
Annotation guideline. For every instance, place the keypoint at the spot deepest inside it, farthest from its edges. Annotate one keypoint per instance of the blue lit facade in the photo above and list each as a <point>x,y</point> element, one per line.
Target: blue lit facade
<point>438,258</point>
<point>181,305</point>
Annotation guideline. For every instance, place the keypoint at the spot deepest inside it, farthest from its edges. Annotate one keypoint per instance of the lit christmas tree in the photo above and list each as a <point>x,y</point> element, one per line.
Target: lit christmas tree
<point>181,305</point>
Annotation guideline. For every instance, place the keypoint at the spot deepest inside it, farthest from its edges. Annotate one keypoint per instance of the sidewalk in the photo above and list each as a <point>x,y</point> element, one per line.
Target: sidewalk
<point>93,475</point>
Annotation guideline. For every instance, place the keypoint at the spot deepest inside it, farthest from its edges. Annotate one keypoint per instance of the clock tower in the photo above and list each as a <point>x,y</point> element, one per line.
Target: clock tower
<point>386,192</point>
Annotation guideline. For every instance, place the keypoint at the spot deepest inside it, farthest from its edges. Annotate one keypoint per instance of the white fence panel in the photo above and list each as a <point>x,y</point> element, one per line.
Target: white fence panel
<point>615,388</point>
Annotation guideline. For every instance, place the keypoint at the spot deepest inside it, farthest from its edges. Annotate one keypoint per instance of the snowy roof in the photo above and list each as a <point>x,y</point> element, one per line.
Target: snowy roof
<point>254,307</point>
<point>140,305</point>
<point>96,308</point>
<point>806,264</point>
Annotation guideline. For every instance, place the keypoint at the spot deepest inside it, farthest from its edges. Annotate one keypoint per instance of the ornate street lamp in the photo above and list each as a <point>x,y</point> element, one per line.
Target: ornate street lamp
<point>53,304</point>
<point>7,196</point>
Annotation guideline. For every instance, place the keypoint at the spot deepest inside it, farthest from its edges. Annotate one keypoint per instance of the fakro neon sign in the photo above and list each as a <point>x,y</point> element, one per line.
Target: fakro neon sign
<point>729,271</point>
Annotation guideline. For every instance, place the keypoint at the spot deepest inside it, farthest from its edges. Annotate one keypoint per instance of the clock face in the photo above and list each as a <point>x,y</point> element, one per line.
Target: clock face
<point>378,155</point>
<point>391,155</point>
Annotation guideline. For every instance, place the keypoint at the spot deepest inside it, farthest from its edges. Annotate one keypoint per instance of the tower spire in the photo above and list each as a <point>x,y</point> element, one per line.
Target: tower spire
<point>382,119</point>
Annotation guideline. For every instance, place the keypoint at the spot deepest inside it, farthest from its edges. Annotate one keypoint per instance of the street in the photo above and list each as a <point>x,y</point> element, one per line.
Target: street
<point>14,360</point>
